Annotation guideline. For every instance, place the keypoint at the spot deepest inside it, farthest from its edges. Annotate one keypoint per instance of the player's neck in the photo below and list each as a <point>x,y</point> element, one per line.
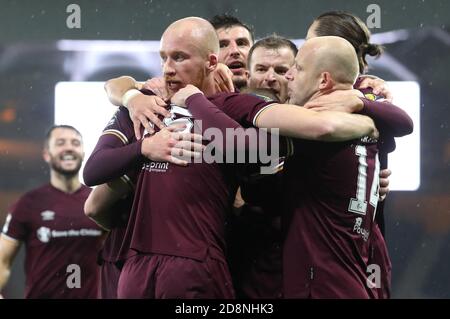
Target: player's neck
<point>336,87</point>
<point>66,184</point>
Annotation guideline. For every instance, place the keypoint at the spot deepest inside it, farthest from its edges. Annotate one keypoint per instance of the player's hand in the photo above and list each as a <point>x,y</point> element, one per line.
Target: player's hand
<point>384,183</point>
<point>340,100</point>
<point>223,78</point>
<point>375,133</point>
<point>157,86</point>
<point>144,110</point>
<point>181,96</point>
<point>379,87</point>
<point>171,145</point>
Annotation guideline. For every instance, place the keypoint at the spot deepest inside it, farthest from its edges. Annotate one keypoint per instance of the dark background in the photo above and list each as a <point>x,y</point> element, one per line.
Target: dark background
<point>418,223</point>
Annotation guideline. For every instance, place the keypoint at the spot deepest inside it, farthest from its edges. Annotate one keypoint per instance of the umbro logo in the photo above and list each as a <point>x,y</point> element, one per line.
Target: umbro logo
<point>48,215</point>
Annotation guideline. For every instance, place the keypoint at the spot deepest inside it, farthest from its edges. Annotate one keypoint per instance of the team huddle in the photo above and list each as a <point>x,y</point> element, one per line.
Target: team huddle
<point>164,222</point>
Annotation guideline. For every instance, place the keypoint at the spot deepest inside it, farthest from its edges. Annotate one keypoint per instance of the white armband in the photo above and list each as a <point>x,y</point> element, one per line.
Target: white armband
<point>129,95</point>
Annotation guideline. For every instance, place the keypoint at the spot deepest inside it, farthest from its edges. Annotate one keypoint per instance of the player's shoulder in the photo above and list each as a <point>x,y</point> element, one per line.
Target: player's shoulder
<point>248,97</point>
<point>120,125</point>
<point>220,98</point>
<point>266,95</point>
<point>37,192</point>
<point>119,116</point>
<point>30,198</point>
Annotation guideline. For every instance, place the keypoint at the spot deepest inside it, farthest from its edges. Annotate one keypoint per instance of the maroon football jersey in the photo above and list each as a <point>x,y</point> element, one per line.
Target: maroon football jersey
<point>180,211</point>
<point>331,193</point>
<point>118,135</point>
<point>59,240</point>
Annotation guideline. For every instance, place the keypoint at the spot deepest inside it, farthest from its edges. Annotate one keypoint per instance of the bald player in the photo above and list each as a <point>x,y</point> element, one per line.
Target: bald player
<point>330,190</point>
<point>178,237</point>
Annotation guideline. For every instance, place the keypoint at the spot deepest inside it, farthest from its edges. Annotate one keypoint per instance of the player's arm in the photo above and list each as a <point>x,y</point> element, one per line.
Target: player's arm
<point>9,248</point>
<point>112,158</point>
<point>295,121</point>
<point>143,108</point>
<point>117,87</point>
<point>389,119</point>
<point>212,117</point>
<point>298,122</point>
<point>101,201</point>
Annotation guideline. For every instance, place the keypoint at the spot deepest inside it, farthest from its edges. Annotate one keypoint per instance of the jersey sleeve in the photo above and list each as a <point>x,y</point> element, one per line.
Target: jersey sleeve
<point>15,226</point>
<point>243,108</point>
<point>212,116</point>
<point>389,119</point>
<point>116,152</point>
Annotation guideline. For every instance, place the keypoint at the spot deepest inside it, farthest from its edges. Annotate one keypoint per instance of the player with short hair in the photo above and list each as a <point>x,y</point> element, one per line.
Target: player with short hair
<point>61,242</point>
<point>255,238</point>
<point>235,39</point>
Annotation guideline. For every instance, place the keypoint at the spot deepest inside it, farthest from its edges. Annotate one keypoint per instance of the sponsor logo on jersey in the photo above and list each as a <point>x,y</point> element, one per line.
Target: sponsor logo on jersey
<point>159,167</point>
<point>44,234</point>
<point>370,96</point>
<point>357,228</point>
<point>48,215</point>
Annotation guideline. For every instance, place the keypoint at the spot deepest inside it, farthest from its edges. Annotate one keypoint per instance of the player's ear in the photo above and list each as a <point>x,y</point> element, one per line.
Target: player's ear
<point>46,155</point>
<point>325,81</point>
<point>211,64</point>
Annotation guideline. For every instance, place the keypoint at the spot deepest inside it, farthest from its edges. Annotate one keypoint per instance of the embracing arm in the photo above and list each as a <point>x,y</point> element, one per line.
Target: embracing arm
<point>111,159</point>
<point>298,122</point>
<point>102,199</point>
<point>117,87</point>
<point>212,117</point>
<point>389,119</point>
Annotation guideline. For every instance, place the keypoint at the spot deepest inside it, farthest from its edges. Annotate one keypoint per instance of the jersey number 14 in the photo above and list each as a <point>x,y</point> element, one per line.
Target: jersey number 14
<point>358,204</point>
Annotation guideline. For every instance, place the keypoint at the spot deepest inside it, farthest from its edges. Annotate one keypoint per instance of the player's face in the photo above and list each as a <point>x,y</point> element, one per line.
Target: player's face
<point>183,62</point>
<point>235,42</point>
<point>302,79</point>
<point>65,151</point>
<point>268,68</point>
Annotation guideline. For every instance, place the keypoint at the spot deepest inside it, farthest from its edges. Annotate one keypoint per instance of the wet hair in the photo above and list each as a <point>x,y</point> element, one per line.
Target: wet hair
<point>272,42</point>
<point>352,29</point>
<point>227,21</point>
<point>54,127</point>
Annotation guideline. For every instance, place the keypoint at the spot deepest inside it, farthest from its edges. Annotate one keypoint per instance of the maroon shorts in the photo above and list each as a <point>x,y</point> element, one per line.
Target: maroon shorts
<point>109,279</point>
<point>163,276</point>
